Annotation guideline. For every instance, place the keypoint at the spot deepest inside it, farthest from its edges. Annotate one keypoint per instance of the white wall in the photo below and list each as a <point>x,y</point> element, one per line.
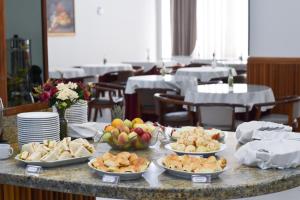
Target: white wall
<point>275,28</point>
<point>123,32</point>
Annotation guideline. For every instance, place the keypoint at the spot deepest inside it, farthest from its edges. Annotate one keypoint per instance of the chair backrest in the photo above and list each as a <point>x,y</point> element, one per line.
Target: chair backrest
<point>153,71</point>
<point>196,65</point>
<point>164,100</point>
<point>145,99</point>
<point>218,115</point>
<point>119,77</point>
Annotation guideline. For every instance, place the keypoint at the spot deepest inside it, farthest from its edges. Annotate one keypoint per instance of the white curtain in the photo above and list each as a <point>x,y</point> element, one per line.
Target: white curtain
<point>222,27</point>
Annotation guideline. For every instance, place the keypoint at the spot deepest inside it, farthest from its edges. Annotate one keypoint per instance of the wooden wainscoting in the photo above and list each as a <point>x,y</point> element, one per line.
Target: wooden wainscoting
<point>281,74</point>
<point>9,192</point>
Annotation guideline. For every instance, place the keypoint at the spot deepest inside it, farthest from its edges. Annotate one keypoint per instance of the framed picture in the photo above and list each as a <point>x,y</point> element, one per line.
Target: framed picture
<point>60,17</point>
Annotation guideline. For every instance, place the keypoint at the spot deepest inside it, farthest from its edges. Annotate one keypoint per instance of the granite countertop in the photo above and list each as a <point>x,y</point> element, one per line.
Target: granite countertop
<point>238,181</point>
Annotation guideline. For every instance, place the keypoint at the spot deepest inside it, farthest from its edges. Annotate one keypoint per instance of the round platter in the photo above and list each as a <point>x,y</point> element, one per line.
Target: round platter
<point>123,176</point>
<point>222,148</point>
<point>187,175</point>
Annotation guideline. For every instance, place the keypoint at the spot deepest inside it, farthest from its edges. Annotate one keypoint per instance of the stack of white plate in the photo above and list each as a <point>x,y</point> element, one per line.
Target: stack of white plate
<point>37,126</point>
<point>77,113</point>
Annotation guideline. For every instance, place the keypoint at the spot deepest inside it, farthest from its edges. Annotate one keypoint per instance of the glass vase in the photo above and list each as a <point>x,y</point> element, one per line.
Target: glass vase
<point>63,123</point>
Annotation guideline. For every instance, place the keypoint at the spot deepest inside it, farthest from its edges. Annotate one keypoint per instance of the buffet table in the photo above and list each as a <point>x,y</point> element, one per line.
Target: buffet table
<point>238,181</point>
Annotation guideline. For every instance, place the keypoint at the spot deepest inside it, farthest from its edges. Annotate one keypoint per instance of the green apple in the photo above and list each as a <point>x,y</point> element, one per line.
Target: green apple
<point>132,136</point>
<point>106,137</point>
<point>128,123</point>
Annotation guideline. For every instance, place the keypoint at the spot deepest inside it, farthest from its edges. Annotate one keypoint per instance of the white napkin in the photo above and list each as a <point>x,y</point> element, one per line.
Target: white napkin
<point>85,130</point>
<point>267,154</point>
<point>275,135</point>
<point>244,131</point>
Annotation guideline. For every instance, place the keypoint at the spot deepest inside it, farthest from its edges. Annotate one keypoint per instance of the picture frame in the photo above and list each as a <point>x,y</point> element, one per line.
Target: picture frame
<point>61,17</point>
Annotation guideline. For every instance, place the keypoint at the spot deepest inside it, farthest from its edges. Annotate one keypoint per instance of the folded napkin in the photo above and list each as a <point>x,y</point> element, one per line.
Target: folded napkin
<point>245,131</point>
<point>275,135</point>
<point>85,130</point>
<point>267,154</point>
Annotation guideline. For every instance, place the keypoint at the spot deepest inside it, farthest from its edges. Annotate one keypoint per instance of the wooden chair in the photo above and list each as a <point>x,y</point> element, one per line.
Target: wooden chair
<point>196,65</point>
<point>175,116</point>
<point>146,102</point>
<point>291,116</point>
<point>138,70</point>
<point>115,97</point>
<point>118,77</point>
<point>219,115</point>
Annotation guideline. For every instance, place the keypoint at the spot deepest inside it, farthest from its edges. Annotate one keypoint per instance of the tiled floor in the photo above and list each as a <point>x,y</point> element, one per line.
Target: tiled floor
<point>293,194</point>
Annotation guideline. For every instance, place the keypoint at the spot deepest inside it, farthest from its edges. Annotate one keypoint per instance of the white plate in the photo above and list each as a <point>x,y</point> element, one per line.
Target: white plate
<point>222,148</point>
<point>37,115</point>
<point>37,132</point>
<point>38,137</point>
<point>123,176</point>
<point>187,175</point>
<point>54,163</point>
<point>169,131</point>
<point>42,127</point>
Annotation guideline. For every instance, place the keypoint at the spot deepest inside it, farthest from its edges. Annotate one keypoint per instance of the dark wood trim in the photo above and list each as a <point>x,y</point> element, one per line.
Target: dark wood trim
<point>3,81</point>
<point>3,61</point>
<point>45,39</point>
<point>25,108</point>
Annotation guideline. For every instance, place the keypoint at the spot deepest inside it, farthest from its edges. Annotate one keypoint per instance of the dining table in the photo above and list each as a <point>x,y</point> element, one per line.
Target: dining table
<point>148,65</point>
<point>101,69</point>
<point>79,181</point>
<point>205,73</point>
<point>246,94</point>
<point>179,84</point>
<point>66,73</point>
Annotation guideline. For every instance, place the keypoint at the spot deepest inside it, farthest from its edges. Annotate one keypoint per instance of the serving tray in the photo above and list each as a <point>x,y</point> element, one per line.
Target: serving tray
<point>187,175</point>
<point>54,163</point>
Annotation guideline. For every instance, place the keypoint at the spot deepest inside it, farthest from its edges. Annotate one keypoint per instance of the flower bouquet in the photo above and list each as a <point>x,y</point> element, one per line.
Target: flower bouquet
<point>62,96</point>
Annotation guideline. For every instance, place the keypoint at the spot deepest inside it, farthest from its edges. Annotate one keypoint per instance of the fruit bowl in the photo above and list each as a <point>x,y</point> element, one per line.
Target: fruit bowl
<point>130,135</point>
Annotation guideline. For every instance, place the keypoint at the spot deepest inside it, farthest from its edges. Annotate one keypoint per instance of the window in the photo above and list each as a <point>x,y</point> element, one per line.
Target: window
<point>222,28</point>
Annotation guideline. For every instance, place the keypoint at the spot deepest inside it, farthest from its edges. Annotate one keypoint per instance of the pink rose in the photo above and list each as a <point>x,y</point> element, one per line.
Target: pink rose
<point>53,91</point>
<point>47,86</point>
<point>45,96</point>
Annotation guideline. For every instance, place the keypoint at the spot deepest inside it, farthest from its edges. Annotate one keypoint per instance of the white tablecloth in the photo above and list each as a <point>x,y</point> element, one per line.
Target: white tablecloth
<point>101,69</point>
<point>158,81</point>
<point>67,73</point>
<point>237,65</point>
<point>241,94</point>
<point>150,81</point>
<point>148,65</point>
<point>205,73</point>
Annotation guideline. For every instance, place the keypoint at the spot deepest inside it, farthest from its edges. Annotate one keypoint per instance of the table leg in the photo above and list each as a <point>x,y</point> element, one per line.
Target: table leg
<point>10,192</point>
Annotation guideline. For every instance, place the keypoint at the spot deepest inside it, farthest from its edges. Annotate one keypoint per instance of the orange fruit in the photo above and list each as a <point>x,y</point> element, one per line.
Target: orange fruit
<point>117,123</point>
<point>108,128</point>
<point>137,121</point>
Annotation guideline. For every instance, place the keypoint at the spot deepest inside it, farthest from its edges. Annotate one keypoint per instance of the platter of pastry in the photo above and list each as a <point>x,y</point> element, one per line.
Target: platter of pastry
<point>195,142</point>
<point>186,166</point>
<point>175,133</point>
<point>53,154</point>
<point>127,166</point>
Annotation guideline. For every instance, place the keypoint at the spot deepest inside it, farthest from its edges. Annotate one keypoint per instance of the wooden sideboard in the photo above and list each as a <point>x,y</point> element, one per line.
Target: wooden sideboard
<point>281,74</point>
